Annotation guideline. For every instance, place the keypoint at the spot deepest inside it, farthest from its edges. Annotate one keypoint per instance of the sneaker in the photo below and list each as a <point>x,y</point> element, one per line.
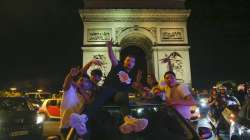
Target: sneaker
<point>126,128</point>
<point>79,123</point>
<point>132,124</point>
<point>140,125</point>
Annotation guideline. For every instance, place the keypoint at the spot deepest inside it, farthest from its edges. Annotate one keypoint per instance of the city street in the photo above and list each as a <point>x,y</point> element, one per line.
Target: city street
<point>51,129</point>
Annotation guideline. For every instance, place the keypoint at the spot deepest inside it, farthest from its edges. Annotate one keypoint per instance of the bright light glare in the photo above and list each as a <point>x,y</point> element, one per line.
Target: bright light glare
<point>40,118</point>
<point>197,110</point>
<point>155,109</point>
<point>140,110</point>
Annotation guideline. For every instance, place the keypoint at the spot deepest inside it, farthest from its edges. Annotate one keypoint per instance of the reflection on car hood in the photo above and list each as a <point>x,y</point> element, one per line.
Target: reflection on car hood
<point>12,117</point>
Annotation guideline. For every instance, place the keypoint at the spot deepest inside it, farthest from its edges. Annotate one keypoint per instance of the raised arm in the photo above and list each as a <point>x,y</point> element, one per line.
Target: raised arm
<point>111,54</point>
<point>87,66</point>
<point>69,78</point>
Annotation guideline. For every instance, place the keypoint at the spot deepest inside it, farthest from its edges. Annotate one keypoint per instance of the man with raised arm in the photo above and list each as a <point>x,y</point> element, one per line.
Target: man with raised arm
<point>116,86</point>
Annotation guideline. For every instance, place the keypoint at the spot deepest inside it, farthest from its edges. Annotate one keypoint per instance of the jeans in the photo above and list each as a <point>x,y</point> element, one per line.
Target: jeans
<point>120,98</point>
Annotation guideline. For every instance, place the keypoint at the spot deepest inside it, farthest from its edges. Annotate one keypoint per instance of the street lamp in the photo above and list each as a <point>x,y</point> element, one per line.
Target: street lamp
<point>39,90</point>
<point>13,89</point>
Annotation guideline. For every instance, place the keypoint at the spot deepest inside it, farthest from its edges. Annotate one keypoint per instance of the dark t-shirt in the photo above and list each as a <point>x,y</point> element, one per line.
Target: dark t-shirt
<point>113,81</point>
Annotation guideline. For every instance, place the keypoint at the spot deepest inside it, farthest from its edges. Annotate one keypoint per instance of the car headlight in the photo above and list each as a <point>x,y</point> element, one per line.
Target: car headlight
<point>203,102</point>
<point>140,110</point>
<point>36,105</point>
<point>155,109</point>
<point>40,118</point>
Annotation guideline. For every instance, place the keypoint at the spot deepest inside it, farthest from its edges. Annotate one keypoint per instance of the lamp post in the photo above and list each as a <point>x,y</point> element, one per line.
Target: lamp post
<point>39,90</point>
<point>13,89</point>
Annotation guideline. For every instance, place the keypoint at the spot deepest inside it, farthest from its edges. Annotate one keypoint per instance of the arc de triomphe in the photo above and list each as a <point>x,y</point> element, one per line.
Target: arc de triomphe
<point>152,33</point>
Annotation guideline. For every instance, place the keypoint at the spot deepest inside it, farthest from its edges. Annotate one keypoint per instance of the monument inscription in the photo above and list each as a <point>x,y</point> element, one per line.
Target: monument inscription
<point>99,34</point>
<point>172,34</point>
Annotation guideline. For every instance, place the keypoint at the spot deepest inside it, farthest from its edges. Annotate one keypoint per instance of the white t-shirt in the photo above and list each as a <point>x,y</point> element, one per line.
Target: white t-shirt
<point>72,102</point>
<point>179,93</point>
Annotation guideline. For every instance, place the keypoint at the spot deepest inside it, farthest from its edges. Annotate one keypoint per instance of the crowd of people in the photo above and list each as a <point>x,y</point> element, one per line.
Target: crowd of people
<point>220,99</point>
<point>83,97</point>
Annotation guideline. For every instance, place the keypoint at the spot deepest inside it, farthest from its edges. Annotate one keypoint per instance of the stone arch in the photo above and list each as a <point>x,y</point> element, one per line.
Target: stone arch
<point>142,44</point>
<point>149,33</point>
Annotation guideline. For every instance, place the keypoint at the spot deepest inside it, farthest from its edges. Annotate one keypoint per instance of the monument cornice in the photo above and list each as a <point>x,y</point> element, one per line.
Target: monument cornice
<point>172,48</point>
<point>134,15</point>
<point>99,49</point>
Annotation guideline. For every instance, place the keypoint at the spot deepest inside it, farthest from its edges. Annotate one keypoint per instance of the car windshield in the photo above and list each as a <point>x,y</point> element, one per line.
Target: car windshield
<point>33,96</point>
<point>164,122</point>
<point>13,104</point>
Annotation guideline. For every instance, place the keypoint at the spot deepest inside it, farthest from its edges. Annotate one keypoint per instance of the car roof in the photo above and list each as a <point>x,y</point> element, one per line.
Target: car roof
<point>13,97</point>
<point>37,93</point>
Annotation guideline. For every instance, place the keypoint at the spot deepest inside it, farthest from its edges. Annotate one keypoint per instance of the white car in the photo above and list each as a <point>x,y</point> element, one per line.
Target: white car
<point>50,109</point>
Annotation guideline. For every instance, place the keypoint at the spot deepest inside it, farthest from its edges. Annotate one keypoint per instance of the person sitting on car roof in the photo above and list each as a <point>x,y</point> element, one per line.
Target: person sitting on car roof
<point>78,91</point>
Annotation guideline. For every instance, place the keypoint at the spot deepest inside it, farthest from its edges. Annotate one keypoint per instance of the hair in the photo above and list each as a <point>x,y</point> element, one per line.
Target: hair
<point>130,55</point>
<point>169,72</point>
<point>155,82</point>
<point>96,72</point>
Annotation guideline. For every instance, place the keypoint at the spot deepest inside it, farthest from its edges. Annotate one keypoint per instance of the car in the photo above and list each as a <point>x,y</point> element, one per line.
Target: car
<point>50,110</point>
<point>37,98</point>
<point>240,129</point>
<point>18,119</point>
<point>164,123</point>
<point>160,116</point>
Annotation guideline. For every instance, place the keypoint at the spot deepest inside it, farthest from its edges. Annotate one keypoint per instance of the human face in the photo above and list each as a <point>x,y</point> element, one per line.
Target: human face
<point>150,79</point>
<point>95,78</point>
<point>129,62</point>
<point>222,92</point>
<point>170,80</point>
<point>213,93</point>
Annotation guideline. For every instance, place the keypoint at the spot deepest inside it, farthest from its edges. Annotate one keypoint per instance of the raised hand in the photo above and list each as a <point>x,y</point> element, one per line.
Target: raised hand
<point>97,62</point>
<point>111,54</point>
<point>124,78</point>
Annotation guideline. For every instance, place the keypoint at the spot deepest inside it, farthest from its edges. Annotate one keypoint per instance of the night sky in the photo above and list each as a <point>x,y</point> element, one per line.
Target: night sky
<point>41,40</point>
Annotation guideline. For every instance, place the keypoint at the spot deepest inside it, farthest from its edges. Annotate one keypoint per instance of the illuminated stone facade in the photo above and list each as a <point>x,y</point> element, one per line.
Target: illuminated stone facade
<point>157,32</point>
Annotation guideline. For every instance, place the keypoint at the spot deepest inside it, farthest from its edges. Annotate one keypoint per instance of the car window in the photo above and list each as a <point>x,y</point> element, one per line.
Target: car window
<point>54,103</point>
<point>13,104</point>
<point>163,122</point>
<point>172,125</point>
<point>33,96</point>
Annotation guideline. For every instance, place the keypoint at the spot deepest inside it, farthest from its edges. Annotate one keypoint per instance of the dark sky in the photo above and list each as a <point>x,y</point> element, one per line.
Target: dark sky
<point>40,41</point>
